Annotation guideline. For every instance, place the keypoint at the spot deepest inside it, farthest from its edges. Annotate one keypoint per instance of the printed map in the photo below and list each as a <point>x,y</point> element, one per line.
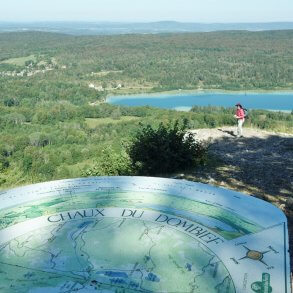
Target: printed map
<point>139,234</point>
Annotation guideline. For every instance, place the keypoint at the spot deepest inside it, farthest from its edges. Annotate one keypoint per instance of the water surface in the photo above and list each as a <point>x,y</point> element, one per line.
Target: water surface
<point>184,101</point>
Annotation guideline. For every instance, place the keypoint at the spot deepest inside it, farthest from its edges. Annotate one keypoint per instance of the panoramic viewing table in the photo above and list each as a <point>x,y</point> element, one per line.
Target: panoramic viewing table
<point>140,234</point>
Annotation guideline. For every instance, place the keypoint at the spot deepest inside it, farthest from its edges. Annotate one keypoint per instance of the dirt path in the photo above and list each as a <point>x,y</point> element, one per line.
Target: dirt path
<point>260,164</point>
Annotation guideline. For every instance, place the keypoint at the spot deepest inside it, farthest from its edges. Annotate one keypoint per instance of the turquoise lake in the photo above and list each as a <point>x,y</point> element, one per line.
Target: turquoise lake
<point>184,101</point>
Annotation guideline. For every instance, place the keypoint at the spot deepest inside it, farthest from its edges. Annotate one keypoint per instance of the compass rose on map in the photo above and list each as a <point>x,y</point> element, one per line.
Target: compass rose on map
<point>255,255</point>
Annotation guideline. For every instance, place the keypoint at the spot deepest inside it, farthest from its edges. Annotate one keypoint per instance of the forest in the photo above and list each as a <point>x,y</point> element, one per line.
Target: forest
<point>55,124</point>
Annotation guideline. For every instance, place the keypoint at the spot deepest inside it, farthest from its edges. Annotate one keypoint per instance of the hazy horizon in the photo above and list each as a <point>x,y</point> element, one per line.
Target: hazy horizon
<point>190,11</point>
<point>134,22</point>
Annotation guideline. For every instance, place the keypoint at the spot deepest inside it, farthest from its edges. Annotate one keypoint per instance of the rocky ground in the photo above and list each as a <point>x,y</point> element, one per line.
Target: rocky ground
<point>259,164</point>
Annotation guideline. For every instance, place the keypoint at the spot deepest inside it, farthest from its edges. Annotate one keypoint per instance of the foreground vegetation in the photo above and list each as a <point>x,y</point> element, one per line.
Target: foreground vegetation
<point>61,140</point>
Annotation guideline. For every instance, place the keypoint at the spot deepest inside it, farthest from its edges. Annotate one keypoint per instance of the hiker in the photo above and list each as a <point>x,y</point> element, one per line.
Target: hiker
<point>240,116</point>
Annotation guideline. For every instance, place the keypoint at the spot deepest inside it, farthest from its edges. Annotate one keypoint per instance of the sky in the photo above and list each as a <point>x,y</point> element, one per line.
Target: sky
<point>205,11</point>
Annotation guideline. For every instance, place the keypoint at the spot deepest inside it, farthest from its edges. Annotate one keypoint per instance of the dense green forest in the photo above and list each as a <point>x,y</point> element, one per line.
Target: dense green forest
<point>53,124</point>
<point>218,60</point>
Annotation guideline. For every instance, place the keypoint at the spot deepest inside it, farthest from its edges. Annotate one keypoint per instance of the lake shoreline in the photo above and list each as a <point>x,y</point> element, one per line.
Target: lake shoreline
<point>195,91</point>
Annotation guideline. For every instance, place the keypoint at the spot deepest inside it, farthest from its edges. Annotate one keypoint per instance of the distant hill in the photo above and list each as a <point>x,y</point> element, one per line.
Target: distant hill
<point>111,28</point>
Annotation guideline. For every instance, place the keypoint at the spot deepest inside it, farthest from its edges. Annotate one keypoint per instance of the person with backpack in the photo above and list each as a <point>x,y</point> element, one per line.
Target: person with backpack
<point>240,116</point>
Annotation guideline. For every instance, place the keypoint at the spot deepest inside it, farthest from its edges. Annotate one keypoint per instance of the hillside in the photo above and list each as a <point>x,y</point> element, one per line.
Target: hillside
<point>231,60</point>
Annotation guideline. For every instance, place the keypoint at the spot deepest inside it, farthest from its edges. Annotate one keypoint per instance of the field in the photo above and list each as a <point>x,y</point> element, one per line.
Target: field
<point>96,122</point>
<point>20,61</point>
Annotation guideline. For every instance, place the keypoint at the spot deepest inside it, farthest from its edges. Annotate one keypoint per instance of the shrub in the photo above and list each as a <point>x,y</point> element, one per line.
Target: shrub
<point>109,163</point>
<point>169,148</point>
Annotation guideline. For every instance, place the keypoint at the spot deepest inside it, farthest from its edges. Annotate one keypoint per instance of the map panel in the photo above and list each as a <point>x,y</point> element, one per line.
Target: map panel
<point>140,234</point>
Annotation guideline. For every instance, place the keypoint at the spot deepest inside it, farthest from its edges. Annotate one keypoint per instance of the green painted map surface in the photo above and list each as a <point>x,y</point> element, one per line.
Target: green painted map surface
<point>156,201</point>
<point>126,255</point>
<point>139,234</point>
